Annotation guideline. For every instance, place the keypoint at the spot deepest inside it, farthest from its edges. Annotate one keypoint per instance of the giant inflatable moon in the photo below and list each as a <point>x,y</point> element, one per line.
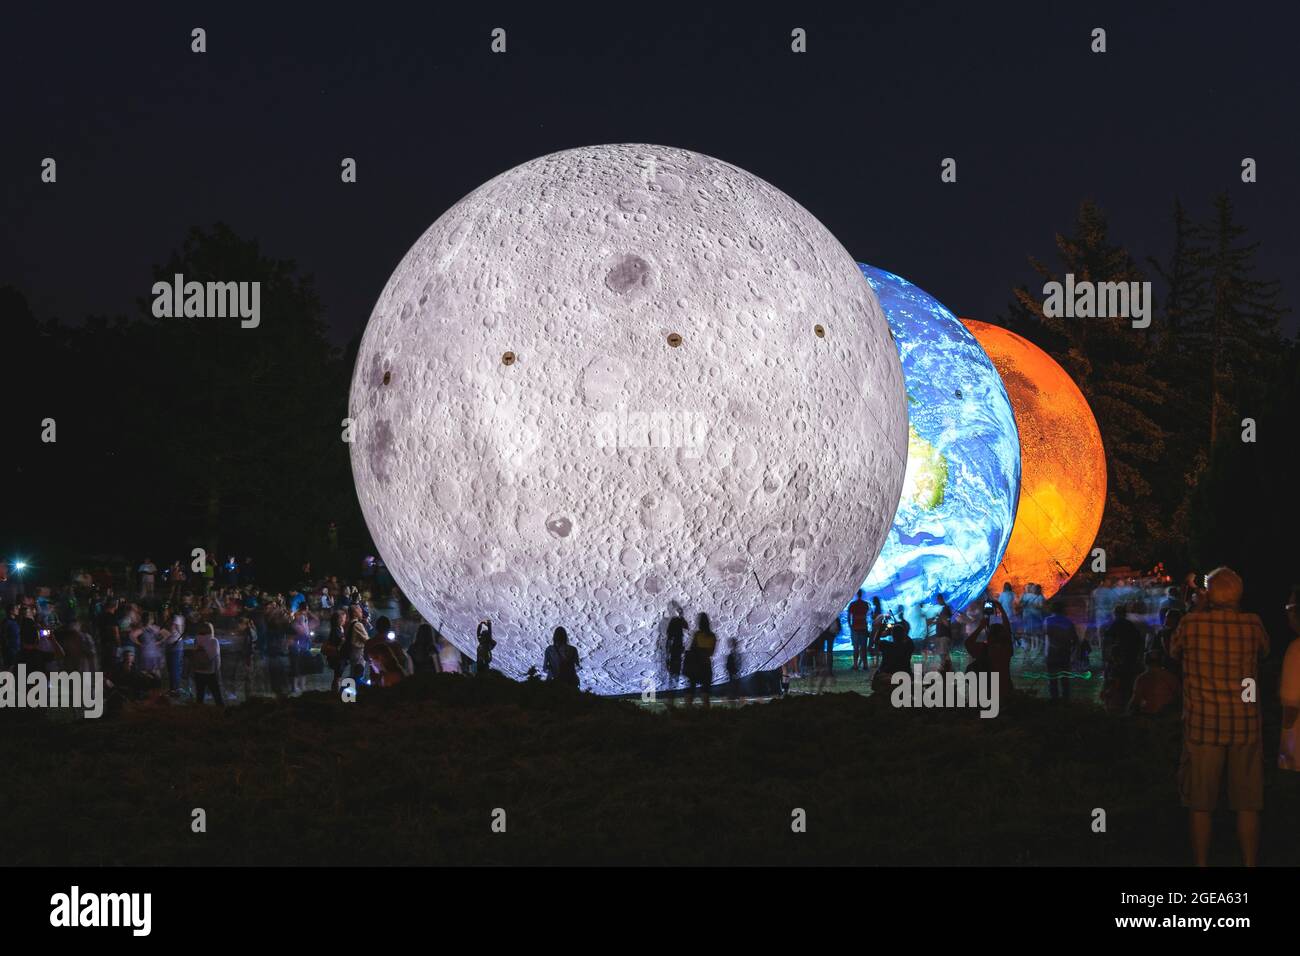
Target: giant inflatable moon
<point>1062,464</point>
<point>617,378</point>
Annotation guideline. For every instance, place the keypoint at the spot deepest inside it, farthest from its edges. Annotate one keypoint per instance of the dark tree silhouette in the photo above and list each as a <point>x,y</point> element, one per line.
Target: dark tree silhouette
<point>176,433</point>
<point>1117,368</point>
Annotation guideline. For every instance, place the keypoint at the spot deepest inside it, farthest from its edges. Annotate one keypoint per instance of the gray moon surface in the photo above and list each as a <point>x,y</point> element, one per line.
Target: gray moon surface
<point>618,378</point>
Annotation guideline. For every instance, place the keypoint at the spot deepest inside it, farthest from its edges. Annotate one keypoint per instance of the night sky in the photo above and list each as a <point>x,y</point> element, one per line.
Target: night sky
<point>151,139</point>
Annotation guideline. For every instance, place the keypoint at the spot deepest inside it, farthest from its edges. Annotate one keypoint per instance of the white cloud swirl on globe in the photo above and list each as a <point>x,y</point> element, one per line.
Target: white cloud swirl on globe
<point>958,503</point>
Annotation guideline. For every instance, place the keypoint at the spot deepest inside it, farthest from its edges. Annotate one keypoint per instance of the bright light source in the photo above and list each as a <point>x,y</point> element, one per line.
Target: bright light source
<point>20,565</point>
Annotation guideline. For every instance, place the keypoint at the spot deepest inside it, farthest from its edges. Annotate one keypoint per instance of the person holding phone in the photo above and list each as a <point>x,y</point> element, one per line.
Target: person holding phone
<point>993,654</point>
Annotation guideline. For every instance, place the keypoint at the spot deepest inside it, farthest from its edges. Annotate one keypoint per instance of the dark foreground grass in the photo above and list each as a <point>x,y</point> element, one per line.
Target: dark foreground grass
<point>412,776</point>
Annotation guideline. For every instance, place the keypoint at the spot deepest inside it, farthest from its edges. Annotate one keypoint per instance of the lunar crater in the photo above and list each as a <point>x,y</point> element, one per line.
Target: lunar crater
<point>628,273</point>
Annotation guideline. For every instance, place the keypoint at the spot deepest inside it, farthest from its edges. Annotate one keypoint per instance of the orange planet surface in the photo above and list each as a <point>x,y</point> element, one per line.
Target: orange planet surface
<point>1062,464</point>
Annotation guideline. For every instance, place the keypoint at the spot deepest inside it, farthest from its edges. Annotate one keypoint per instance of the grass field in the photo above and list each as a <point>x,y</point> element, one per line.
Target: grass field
<point>413,776</point>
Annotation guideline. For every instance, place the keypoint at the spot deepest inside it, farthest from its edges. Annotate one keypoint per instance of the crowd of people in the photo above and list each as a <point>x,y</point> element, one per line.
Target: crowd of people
<point>1124,637</point>
<point>159,633</point>
<point>1159,644</point>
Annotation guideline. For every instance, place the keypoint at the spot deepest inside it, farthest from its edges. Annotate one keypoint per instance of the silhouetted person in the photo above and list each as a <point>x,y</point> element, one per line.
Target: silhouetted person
<point>560,662</point>
<point>147,570</point>
<point>1170,602</point>
<point>126,679</point>
<point>11,639</point>
<point>699,659</point>
<point>37,648</point>
<point>992,655</point>
<point>860,629</point>
<point>1121,651</point>
<point>1155,690</point>
<point>943,634</point>
<point>206,668</point>
<point>824,654</point>
<point>424,651</point>
<point>1007,598</point>
<point>334,650</point>
<point>1031,615</point>
<point>877,625</point>
<point>247,641</point>
<point>733,668</point>
<point>150,654</point>
<point>384,655</point>
<point>279,637</point>
<point>483,663</point>
<point>303,629</point>
<point>1288,753</point>
<point>356,643</point>
<point>901,623</point>
<point>1062,639</point>
<point>676,646</point>
<point>173,642</point>
<point>1220,647</point>
<point>78,649</point>
<point>1164,640</point>
<point>895,655</point>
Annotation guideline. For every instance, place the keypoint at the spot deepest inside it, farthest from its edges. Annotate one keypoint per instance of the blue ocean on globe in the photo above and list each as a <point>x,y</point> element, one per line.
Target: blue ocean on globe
<point>962,483</point>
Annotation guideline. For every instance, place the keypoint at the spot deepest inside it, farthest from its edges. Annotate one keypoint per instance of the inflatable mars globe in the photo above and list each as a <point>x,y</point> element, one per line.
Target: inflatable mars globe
<point>1063,464</point>
<point>617,379</point>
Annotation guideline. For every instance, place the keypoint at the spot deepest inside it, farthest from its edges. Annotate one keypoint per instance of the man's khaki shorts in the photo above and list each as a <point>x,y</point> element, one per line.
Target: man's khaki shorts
<point>1200,775</point>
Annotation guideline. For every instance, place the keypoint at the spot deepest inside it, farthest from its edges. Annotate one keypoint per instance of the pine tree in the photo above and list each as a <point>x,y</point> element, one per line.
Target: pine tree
<point>1185,303</point>
<point>1184,308</point>
<point>1117,368</point>
<point>1238,339</point>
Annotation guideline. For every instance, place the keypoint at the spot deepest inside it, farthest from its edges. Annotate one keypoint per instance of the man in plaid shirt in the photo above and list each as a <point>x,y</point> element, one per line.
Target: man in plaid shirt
<point>1220,647</point>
